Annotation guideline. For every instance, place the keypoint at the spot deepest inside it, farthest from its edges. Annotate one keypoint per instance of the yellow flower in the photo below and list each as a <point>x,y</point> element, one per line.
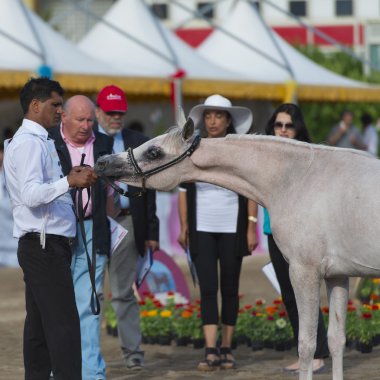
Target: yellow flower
<point>376,280</point>
<point>166,313</point>
<point>152,313</point>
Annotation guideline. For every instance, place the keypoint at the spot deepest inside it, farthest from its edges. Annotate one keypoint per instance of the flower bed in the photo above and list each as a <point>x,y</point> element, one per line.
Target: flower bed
<point>260,325</point>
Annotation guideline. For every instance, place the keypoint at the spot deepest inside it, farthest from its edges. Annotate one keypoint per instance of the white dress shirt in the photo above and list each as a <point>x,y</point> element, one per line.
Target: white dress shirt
<point>38,190</point>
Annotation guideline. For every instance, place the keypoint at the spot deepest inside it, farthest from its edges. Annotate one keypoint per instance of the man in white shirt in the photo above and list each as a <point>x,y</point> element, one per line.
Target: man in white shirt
<point>44,222</point>
<point>370,137</point>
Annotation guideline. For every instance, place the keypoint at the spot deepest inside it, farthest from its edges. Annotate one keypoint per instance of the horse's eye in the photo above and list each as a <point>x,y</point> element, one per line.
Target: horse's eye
<point>153,153</point>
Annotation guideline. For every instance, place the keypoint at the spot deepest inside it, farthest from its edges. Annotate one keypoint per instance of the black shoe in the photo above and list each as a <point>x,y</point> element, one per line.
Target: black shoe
<point>134,364</point>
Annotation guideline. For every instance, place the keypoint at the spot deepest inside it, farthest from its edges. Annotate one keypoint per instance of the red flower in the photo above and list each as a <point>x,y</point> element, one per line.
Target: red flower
<point>259,302</point>
<point>254,313</point>
<point>277,302</point>
<point>142,303</point>
<point>375,307</point>
<point>248,307</point>
<point>270,318</point>
<point>351,308</point>
<point>325,309</point>
<point>170,293</point>
<point>282,314</point>
<point>367,315</point>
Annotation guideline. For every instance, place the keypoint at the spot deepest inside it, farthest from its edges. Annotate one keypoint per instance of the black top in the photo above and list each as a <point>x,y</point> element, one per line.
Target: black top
<point>102,145</point>
<point>241,248</point>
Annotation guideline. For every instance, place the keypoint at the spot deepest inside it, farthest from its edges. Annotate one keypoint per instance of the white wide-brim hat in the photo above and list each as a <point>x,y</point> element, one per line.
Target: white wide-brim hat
<point>241,116</point>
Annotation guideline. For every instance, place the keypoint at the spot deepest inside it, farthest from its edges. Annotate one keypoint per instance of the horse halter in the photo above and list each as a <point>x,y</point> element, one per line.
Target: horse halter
<point>144,175</point>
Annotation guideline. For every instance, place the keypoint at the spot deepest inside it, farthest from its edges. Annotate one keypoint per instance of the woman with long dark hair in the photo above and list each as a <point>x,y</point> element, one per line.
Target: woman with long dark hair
<point>287,121</point>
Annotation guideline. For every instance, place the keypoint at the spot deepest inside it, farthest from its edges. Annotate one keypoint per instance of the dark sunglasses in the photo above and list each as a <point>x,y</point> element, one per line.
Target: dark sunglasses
<point>278,124</point>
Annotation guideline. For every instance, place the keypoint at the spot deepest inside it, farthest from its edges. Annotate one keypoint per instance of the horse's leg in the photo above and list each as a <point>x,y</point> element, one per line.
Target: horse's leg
<point>306,284</point>
<point>337,290</point>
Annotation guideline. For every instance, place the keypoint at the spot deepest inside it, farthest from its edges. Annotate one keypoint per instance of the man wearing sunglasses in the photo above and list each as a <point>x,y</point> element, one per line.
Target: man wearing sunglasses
<point>138,216</point>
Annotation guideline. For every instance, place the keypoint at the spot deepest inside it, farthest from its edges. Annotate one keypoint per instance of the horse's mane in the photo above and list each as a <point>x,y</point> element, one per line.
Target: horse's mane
<point>280,140</point>
<point>173,137</point>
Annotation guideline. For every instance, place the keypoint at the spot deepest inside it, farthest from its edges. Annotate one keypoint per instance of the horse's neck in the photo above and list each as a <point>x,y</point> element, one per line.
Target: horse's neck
<point>261,169</point>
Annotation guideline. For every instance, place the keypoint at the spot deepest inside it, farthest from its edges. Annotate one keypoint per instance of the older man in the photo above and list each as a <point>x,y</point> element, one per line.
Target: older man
<point>138,216</point>
<point>44,222</point>
<point>74,137</point>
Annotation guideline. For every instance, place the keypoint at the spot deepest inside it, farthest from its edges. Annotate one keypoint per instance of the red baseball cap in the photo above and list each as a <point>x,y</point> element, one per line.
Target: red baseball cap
<point>112,99</point>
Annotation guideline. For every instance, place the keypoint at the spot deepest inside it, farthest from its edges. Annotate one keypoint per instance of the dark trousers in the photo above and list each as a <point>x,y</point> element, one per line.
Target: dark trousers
<point>52,330</point>
<point>281,268</point>
<point>214,247</point>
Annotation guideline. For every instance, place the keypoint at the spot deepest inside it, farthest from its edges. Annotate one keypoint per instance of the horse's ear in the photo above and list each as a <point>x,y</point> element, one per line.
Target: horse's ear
<point>181,118</point>
<point>188,129</point>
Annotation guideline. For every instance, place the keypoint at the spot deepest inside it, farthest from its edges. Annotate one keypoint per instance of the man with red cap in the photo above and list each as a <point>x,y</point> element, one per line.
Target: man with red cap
<point>138,216</point>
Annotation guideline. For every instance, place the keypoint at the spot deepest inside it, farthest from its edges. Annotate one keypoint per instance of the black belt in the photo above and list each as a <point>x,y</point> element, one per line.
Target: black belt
<point>37,235</point>
<point>124,212</point>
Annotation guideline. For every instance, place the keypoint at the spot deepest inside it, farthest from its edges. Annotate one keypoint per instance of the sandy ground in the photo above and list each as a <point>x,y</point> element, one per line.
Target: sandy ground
<point>172,362</point>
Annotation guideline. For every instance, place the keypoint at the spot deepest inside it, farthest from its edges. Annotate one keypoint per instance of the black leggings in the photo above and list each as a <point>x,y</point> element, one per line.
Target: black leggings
<point>281,267</point>
<point>214,247</point>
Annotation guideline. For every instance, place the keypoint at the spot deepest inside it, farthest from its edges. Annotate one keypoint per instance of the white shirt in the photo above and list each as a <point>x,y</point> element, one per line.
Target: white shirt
<point>217,208</point>
<point>37,188</point>
<point>371,139</point>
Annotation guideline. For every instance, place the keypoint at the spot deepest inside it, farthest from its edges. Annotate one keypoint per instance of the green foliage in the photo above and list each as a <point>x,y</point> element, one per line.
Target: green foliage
<point>321,116</point>
<point>110,315</point>
<point>365,328</point>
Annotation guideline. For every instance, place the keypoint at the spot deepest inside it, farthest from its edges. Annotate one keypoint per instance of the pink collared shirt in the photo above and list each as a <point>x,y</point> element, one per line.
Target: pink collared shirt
<point>76,157</point>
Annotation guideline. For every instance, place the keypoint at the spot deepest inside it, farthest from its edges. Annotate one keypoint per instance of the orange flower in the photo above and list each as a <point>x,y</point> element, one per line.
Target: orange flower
<point>186,314</point>
<point>144,313</point>
<point>271,309</point>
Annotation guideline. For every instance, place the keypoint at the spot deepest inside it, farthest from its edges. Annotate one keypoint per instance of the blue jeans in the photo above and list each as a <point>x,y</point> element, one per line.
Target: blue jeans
<point>93,365</point>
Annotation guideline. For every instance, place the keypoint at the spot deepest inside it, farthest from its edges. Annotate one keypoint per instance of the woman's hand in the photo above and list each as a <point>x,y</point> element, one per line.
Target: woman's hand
<point>183,238</point>
<point>252,237</point>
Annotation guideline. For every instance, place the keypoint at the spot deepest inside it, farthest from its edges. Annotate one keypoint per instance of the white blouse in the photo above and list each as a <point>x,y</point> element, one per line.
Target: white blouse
<point>217,208</point>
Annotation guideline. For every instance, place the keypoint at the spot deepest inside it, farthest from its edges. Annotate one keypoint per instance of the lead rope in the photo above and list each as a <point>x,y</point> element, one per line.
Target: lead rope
<point>80,213</point>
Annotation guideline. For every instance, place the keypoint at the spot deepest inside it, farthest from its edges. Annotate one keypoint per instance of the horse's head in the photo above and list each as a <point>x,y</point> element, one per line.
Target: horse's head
<point>155,161</point>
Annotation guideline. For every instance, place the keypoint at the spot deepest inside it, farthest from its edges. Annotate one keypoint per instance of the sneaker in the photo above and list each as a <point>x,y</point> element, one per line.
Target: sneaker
<point>134,364</point>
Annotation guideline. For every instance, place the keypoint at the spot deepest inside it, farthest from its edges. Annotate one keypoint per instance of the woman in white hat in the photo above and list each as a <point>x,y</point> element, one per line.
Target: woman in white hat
<point>218,226</point>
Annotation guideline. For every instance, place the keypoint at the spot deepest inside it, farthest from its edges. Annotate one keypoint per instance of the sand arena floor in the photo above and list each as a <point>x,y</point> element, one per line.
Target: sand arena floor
<point>173,362</point>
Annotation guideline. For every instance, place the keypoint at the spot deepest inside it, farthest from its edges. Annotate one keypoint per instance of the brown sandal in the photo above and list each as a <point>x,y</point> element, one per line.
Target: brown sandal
<point>227,360</point>
<point>208,364</point>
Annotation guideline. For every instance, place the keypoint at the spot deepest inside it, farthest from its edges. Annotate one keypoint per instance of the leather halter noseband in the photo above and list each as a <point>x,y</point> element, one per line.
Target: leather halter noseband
<point>144,175</point>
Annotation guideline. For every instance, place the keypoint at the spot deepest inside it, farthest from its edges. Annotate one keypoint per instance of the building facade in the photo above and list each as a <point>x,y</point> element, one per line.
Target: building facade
<point>352,23</point>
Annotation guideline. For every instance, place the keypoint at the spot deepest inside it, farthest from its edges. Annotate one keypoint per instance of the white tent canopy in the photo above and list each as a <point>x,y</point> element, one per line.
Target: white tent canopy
<point>244,43</point>
<point>27,43</point>
<point>133,41</point>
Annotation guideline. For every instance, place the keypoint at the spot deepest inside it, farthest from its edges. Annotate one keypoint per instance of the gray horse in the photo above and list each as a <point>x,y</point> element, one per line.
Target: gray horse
<point>322,201</point>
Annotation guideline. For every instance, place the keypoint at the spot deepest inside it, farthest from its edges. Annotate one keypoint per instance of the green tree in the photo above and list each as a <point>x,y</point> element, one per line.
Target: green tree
<point>321,116</point>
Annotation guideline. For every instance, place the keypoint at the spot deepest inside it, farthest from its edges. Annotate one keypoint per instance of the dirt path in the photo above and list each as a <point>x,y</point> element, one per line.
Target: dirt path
<point>172,362</point>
